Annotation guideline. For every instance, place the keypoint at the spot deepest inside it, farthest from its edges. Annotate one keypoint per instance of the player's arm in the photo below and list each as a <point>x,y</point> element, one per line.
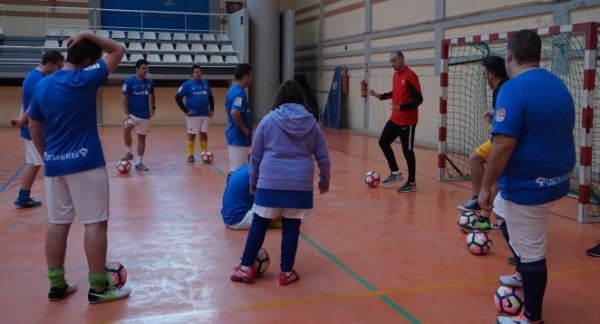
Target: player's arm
<point>380,96</point>
<point>322,158</point>
<point>256,155</point>
<point>502,148</point>
<point>152,104</point>
<point>415,97</point>
<point>37,135</point>
<point>239,120</point>
<point>180,104</point>
<point>20,121</point>
<point>211,103</point>
<point>115,50</point>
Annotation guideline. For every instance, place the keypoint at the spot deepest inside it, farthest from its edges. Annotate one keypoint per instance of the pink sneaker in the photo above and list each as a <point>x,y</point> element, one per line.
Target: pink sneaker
<point>240,275</point>
<point>285,280</point>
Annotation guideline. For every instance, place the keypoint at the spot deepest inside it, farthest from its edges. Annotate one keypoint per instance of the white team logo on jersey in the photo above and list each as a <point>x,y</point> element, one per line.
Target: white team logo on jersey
<point>238,101</point>
<point>92,67</point>
<point>500,114</point>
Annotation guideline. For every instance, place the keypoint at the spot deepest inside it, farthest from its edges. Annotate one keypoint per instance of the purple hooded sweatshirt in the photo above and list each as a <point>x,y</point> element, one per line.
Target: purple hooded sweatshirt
<point>283,148</point>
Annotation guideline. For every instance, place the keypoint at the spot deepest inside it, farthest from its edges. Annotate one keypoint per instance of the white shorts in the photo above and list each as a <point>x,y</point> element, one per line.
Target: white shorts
<point>84,194</point>
<point>142,125</point>
<point>276,213</point>
<point>32,156</point>
<point>197,125</point>
<point>238,156</point>
<point>245,223</point>
<point>527,228</point>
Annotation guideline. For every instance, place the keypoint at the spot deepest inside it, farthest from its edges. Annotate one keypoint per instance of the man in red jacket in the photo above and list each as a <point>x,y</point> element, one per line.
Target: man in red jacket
<point>406,97</point>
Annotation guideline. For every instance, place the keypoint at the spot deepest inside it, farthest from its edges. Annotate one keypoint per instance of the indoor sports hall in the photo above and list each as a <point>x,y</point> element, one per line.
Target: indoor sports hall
<point>373,248</point>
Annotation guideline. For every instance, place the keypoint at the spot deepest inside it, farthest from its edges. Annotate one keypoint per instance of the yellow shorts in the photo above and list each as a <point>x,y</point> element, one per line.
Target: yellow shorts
<point>484,149</point>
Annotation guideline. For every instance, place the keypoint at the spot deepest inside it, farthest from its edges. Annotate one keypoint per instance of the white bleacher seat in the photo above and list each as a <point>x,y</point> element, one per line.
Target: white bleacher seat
<point>134,35</point>
<point>216,59</point>
<point>164,36</point>
<point>118,34</point>
<point>200,59</point>
<point>63,44</point>
<point>153,58</point>
<point>227,48</point>
<point>182,47</point>
<point>68,32</point>
<point>134,57</point>
<point>149,35</point>
<point>223,37</point>
<point>124,60</point>
<point>185,59</point>
<point>64,54</point>
<point>166,47</point>
<point>135,46</point>
<point>231,59</point>
<point>169,58</point>
<point>212,48</point>
<point>48,43</point>
<point>208,37</point>
<point>51,32</point>
<point>103,33</point>
<point>197,48</point>
<point>179,36</point>
<point>194,37</point>
<point>151,47</point>
<point>1,30</point>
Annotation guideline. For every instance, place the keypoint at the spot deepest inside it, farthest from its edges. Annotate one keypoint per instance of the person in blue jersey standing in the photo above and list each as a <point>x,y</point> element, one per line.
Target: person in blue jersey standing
<point>139,105</point>
<point>63,127</point>
<point>51,61</point>
<point>199,107</point>
<point>239,117</point>
<point>532,156</point>
<point>288,142</point>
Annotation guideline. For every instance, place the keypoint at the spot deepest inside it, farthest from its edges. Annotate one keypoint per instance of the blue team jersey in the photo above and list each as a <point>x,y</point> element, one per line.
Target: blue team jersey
<point>196,96</point>
<point>536,109</point>
<point>65,102</point>
<point>138,92</point>
<point>237,199</point>
<point>29,86</point>
<point>237,100</point>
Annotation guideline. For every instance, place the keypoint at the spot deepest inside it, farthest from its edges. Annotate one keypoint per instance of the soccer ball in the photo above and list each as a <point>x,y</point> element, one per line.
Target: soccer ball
<point>465,218</point>
<point>117,274</point>
<point>478,242</point>
<point>509,300</point>
<point>262,262</point>
<point>207,157</point>
<point>123,166</point>
<point>372,179</point>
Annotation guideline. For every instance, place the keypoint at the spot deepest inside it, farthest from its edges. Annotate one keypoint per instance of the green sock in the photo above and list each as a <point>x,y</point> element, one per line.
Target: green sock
<point>57,277</point>
<point>98,281</point>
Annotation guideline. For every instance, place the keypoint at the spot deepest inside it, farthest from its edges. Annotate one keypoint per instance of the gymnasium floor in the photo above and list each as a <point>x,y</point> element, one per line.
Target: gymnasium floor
<point>365,255</point>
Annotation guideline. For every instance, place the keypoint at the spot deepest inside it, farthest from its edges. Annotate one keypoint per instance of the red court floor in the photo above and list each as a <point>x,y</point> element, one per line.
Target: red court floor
<point>365,255</point>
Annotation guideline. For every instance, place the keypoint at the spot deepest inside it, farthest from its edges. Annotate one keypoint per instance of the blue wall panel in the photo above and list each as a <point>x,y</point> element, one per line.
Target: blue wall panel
<point>155,21</point>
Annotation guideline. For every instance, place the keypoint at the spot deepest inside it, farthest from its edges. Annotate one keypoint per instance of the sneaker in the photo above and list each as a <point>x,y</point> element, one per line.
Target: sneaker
<point>285,280</point>
<point>56,294</point>
<point>393,178</point>
<point>519,319</point>
<point>141,167</point>
<point>479,224</point>
<point>240,275</point>
<point>191,159</point>
<point>407,187</point>
<point>127,156</point>
<point>513,280</point>
<point>470,205</point>
<point>595,251</point>
<point>109,294</point>
<point>512,260</point>
<point>29,203</point>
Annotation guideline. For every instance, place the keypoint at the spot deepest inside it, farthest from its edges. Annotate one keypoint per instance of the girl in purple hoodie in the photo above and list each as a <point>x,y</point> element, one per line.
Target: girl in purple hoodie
<point>287,142</point>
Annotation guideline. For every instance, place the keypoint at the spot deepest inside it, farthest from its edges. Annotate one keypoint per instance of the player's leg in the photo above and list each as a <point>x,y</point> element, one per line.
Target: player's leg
<point>60,216</point>
<point>33,162</point>
<point>476,162</point>
<point>527,228</point>
<point>142,128</point>
<point>127,139</point>
<point>193,127</point>
<point>407,140</point>
<point>238,156</point>
<point>387,137</point>
<point>204,134</point>
<point>291,221</point>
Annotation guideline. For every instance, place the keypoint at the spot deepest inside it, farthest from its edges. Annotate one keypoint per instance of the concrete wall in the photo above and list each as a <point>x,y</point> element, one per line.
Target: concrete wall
<point>360,34</point>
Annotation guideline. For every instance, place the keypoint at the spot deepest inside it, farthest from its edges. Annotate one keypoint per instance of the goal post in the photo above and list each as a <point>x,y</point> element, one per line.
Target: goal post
<point>568,51</point>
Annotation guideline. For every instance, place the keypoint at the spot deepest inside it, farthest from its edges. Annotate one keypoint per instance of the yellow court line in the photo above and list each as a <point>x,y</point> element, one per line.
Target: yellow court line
<point>345,296</point>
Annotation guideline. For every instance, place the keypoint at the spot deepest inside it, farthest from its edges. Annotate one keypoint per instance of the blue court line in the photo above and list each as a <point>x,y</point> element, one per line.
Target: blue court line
<point>347,270</point>
<point>13,177</point>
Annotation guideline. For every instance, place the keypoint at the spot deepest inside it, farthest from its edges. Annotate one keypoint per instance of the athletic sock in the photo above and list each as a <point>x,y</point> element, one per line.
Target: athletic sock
<point>190,147</point>
<point>57,277</point>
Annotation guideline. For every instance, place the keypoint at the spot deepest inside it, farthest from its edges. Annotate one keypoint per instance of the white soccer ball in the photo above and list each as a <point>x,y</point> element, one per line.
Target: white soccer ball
<point>123,166</point>
<point>207,157</point>
<point>372,179</point>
